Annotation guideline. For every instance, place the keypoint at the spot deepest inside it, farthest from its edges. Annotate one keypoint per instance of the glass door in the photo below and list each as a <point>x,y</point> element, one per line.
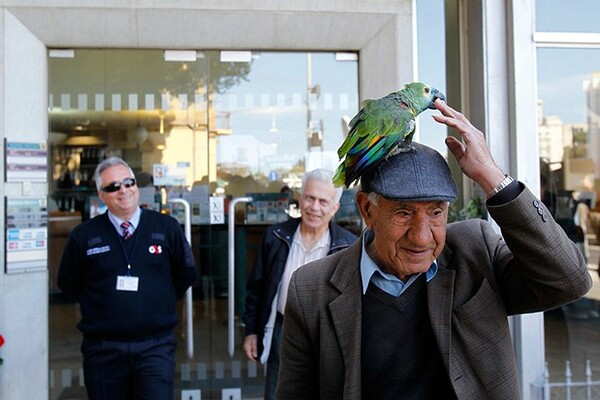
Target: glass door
<point>207,128</point>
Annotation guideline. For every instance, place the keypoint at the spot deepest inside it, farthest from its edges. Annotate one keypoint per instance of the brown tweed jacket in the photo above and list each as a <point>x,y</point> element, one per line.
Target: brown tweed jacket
<point>482,278</point>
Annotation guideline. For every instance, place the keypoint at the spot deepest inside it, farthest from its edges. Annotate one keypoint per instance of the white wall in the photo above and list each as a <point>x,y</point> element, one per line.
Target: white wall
<point>24,296</point>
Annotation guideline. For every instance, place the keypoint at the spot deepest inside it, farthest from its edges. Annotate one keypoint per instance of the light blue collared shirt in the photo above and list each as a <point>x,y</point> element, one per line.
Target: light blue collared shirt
<point>134,221</point>
<point>389,283</point>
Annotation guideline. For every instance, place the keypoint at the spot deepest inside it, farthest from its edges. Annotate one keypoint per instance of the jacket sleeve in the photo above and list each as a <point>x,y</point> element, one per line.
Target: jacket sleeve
<point>538,267</point>
<point>254,287</point>
<point>70,272</point>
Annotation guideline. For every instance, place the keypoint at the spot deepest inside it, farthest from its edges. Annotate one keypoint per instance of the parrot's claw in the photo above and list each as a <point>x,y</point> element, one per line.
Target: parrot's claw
<point>399,150</point>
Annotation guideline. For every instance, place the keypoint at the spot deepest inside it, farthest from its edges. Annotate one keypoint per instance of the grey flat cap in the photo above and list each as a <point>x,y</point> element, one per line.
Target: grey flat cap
<point>419,173</point>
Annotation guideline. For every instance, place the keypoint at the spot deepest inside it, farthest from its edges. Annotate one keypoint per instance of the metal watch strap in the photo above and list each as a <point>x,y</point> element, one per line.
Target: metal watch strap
<point>505,182</point>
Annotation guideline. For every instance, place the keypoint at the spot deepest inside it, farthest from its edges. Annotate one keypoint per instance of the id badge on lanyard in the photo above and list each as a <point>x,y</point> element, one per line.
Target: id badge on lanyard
<point>128,283</point>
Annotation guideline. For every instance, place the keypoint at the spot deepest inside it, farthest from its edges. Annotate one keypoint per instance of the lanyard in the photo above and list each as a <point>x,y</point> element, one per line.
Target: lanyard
<point>129,257</point>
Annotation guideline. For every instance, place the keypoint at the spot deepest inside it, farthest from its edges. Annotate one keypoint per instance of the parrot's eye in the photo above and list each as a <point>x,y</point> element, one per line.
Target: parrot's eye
<point>426,90</point>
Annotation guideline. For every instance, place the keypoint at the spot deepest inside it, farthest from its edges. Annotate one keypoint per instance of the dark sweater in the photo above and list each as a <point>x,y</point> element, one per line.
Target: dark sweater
<point>400,357</point>
<point>160,257</point>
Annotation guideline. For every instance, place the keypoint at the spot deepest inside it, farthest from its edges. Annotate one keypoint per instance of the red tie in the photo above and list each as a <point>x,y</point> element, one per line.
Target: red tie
<point>126,234</point>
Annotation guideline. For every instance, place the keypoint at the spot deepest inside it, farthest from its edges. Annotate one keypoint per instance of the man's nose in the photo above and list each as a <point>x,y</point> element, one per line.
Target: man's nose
<point>420,232</point>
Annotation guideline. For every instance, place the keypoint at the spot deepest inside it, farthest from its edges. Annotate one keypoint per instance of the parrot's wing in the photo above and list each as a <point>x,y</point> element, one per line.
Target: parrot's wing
<point>377,131</point>
<point>382,117</point>
<point>369,151</point>
<point>353,135</point>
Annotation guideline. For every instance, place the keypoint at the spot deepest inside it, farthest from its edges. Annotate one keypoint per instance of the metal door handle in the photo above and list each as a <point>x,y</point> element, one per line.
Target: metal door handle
<point>188,292</point>
<point>231,295</point>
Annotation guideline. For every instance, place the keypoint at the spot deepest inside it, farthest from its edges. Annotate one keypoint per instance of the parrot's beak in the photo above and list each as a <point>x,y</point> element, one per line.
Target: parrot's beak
<point>436,95</point>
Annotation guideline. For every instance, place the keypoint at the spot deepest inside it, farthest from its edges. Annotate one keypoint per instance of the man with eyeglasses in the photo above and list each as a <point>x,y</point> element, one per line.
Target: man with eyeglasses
<point>126,268</point>
<point>417,308</point>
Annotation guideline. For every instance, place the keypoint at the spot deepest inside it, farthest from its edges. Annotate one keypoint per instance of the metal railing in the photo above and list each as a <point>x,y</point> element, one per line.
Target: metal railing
<point>568,389</point>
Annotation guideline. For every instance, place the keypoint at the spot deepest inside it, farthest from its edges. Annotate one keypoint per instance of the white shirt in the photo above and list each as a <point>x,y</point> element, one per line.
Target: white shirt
<point>299,256</point>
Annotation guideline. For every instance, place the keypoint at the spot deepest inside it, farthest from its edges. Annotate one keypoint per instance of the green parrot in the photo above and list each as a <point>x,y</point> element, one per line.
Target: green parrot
<point>381,128</point>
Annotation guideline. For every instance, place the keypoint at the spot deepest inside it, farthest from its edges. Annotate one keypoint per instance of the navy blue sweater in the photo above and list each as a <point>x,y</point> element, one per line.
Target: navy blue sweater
<point>160,257</point>
<point>400,358</point>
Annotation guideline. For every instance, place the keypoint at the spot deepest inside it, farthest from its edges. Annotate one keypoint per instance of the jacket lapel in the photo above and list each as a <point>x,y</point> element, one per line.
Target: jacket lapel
<point>346,312</point>
<point>440,291</point>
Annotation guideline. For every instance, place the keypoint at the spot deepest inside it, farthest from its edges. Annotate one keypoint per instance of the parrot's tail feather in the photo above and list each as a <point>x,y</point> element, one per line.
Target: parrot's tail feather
<point>340,177</point>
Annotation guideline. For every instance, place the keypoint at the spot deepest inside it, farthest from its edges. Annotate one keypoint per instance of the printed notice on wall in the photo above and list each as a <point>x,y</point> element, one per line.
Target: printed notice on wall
<point>26,161</point>
<point>170,174</point>
<point>26,234</point>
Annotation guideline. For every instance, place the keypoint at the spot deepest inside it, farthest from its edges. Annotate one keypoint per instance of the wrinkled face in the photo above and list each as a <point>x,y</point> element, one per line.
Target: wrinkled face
<point>317,204</point>
<point>123,202</point>
<point>408,235</point>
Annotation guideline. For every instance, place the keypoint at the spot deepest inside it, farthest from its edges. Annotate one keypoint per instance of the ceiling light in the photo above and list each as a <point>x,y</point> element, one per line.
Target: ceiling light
<point>61,53</point>
<point>236,56</point>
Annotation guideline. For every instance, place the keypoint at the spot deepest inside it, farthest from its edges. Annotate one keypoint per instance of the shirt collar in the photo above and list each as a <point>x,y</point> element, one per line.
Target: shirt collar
<point>322,242</point>
<point>368,266</point>
<point>134,220</point>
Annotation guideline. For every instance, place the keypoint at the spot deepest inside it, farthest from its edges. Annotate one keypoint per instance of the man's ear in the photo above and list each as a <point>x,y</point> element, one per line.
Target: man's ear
<point>364,206</point>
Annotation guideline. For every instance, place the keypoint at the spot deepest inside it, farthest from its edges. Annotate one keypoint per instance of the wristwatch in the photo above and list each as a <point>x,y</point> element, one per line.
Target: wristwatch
<point>504,183</point>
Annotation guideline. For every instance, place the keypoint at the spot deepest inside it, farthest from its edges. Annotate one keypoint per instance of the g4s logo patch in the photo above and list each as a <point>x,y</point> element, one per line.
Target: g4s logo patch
<point>155,249</point>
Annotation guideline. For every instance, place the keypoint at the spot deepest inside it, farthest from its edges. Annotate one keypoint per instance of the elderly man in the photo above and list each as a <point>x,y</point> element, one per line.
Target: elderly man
<point>285,247</point>
<point>417,309</point>
<point>126,268</point>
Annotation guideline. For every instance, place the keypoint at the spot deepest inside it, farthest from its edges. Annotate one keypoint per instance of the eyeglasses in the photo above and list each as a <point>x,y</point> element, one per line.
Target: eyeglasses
<point>116,186</point>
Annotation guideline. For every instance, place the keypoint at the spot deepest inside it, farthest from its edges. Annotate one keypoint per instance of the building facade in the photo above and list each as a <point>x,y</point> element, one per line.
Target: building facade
<point>490,76</point>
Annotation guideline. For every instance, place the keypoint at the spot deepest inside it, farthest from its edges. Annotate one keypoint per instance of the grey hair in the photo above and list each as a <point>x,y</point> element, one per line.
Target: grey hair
<point>104,165</point>
<point>373,198</point>
<point>322,175</point>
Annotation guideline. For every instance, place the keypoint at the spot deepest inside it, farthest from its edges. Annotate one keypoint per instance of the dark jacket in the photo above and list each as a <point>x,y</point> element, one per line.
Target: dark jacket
<point>268,270</point>
<point>160,257</point>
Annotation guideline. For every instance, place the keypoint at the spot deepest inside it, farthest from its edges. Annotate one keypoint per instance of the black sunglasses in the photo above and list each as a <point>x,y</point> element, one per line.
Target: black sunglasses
<point>116,186</point>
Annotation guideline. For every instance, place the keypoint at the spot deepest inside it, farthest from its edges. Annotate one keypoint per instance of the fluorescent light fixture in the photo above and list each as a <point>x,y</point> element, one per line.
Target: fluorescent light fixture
<point>346,56</point>
<point>236,56</point>
<point>180,55</point>
<point>61,53</point>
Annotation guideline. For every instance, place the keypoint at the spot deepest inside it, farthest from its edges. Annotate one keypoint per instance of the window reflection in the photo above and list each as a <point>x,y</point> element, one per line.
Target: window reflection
<point>286,118</point>
<point>232,126</point>
<point>568,129</point>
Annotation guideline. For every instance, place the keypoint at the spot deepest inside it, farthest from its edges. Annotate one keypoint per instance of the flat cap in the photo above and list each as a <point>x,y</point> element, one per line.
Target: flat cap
<point>418,173</point>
